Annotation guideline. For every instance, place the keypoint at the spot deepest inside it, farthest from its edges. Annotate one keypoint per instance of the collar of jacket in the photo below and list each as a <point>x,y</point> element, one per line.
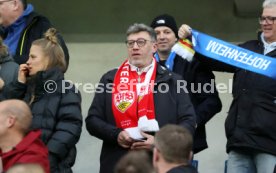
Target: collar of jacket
<point>163,74</point>
<point>33,15</point>
<point>5,58</point>
<point>54,74</point>
<point>42,78</point>
<point>270,54</point>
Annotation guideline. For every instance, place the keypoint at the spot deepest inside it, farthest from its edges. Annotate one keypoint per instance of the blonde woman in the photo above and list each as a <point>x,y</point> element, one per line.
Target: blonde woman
<point>56,112</point>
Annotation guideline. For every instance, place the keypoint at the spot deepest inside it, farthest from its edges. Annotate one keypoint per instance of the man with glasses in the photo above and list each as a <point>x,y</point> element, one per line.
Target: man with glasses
<point>20,26</point>
<point>250,125</point>
<point>268,19</point>
<point>134,101</point>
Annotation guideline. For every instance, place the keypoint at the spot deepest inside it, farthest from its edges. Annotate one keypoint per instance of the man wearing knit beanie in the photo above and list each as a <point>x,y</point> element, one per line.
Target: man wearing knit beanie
<point>206,104</point>
<point>166,30</point>
<point>165,20</point>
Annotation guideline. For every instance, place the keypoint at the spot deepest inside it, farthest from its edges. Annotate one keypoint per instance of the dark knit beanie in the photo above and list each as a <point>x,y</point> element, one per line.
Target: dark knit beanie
<point>165,20</point>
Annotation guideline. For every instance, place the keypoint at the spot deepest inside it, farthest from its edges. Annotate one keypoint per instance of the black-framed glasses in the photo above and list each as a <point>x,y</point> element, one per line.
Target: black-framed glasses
<point>140,42</point>
<point>268,19</point>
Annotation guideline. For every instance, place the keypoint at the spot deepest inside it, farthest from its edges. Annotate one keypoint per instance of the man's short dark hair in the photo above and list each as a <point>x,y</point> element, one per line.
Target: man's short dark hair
<point>174,143</point>
<point>134,162</point>
<point>140,27</point>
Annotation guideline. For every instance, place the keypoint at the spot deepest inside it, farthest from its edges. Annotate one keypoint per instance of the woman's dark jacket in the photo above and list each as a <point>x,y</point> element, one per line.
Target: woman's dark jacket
<point>56,112</point>
<point>171,107</point>
<point>206,104</point>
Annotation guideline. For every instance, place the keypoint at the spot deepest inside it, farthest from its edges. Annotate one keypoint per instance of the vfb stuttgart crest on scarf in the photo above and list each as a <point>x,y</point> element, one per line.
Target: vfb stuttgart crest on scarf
<point>124,100</point>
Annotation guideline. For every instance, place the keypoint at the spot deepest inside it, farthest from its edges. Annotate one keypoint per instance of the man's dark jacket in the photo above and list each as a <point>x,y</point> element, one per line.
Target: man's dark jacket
<point>170,108</point>
<point>206,104</point>
<point>183,169</point>
<point>250,123</point>
<point>36,26</point>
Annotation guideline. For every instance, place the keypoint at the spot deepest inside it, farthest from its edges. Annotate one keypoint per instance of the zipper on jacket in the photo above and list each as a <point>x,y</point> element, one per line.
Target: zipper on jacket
<point>23,37</point>
<point>32,99</point>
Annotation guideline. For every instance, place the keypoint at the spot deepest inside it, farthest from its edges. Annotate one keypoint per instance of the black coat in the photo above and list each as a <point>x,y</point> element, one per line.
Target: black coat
<point>183,169</point>
<point>250,123</point>
<point>57,114</point>
<point>36,26</point>
<point>206,104</point>
<point>170,108</point>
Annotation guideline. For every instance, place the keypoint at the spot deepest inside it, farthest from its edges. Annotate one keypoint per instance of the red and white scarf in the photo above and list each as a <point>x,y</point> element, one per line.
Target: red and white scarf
<point>132,99</point>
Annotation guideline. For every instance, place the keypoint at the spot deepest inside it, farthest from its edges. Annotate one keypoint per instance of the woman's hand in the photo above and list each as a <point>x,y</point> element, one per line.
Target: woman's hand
<point>23,72</point>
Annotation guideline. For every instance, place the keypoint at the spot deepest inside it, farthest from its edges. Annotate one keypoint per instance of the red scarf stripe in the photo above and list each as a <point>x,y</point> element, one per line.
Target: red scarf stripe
<point>127,107</point>
<point>186,43</point>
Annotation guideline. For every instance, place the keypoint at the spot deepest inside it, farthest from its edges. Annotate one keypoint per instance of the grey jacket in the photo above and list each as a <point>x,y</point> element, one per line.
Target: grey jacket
<point>8,70</point>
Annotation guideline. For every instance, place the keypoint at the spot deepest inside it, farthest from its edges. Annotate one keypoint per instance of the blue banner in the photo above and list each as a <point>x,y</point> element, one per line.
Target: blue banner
<point>233,55</point>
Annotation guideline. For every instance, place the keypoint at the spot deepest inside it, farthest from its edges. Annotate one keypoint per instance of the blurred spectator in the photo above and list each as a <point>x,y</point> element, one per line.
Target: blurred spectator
<point>8,70</point>
<point>18,144</point>
<point>26,168</point>
<point>20,26</point>
<point>135,162</point>
<point>173,150</point>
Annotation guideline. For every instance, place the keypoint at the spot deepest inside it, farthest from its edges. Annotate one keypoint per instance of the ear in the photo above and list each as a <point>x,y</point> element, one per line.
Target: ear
<point>11,121</point>
<point>156,159</point>
<point>156,156</point>
<point>154,47</point>
<point>191,155</point>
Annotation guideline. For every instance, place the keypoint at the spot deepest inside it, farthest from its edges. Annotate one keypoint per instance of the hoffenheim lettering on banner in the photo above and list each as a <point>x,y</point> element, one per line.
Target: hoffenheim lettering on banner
<point>233,55</point>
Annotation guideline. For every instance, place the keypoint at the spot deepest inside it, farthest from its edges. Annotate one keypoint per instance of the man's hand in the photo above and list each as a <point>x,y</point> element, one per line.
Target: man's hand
<point>184,31</point>
<point>147,144</point>
<point>124,140</point>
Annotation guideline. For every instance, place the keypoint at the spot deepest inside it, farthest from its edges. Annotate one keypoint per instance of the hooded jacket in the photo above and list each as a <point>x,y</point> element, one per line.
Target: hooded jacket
<point>35,27</point>
<point>30,150</point>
